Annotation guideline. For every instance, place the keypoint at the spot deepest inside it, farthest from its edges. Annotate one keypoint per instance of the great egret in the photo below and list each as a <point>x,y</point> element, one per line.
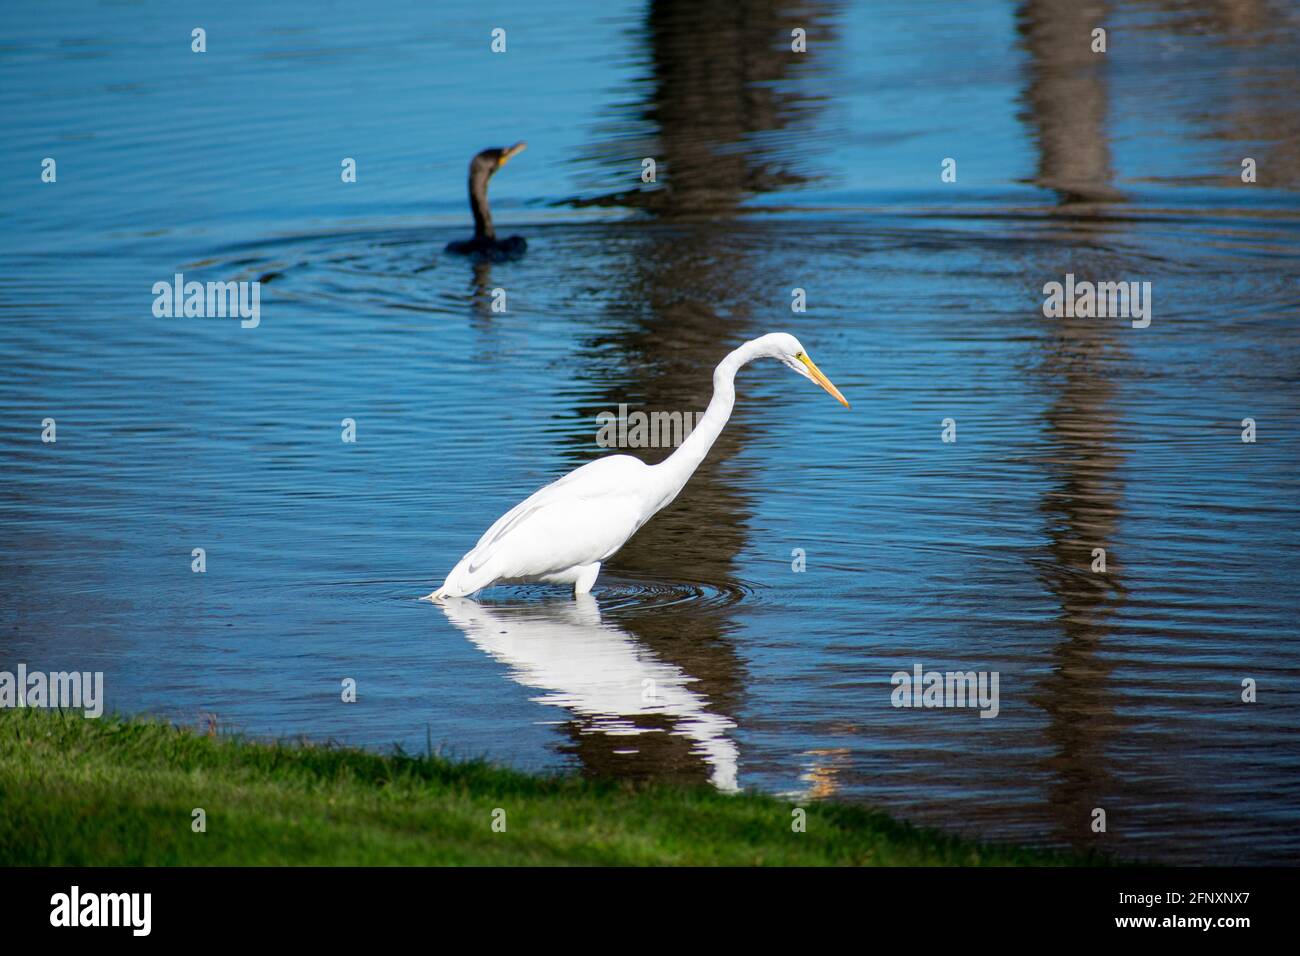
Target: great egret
<point>485,243</point>
<point>562,533</point>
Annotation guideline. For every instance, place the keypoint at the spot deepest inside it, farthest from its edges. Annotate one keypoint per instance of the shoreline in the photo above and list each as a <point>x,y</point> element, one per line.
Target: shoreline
<point>131,792</point>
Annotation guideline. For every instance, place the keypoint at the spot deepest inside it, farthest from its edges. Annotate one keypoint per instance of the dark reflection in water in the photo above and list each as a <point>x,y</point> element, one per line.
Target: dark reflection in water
<point>1066,98</point>
<point>1067,101</point>
<point>714,106</point>
<point>1238,58</point>
<point>716,112</point>
<point>1083,509</point>
<point>1120,690</point>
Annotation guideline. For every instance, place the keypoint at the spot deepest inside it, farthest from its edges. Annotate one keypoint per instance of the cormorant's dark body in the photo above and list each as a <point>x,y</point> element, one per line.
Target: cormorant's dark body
<point>485,244</point>
<point>496,250</point>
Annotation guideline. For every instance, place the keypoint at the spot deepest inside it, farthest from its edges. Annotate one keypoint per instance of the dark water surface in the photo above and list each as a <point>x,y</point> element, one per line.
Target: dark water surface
<point>1118,690</point>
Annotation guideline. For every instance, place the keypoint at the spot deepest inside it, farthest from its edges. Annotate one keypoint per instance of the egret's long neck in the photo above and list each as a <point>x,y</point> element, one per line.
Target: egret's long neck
<point>678,467</point>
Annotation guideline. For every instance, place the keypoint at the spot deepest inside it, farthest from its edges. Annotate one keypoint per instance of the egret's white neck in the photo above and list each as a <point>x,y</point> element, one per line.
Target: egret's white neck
<point>678,467</point>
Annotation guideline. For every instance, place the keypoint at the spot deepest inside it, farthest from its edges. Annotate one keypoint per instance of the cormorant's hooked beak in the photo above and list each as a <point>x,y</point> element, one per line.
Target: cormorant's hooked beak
<point>511,151</point>
<point>821,379</point>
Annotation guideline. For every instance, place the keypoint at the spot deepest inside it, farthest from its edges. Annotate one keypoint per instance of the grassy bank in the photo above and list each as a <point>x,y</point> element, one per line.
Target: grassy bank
<point>110,791</point>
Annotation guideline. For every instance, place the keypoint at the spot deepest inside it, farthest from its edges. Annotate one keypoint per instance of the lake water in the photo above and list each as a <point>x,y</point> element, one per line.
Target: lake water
<point>1119,690</point>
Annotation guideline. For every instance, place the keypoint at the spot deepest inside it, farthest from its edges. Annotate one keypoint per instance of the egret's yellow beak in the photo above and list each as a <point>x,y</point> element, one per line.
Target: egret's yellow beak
<point>822,380</point>
<point>511,151</point>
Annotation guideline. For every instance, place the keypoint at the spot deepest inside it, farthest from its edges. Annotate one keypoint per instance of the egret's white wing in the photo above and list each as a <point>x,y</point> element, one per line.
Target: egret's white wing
<point>581,517</point>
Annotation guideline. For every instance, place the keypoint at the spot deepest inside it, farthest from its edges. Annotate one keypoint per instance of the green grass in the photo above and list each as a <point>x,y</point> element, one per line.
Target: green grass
<point>121,792</point>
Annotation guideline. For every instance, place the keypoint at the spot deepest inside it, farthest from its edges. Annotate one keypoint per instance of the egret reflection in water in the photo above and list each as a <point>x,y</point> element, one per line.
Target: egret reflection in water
<point>611,683</point>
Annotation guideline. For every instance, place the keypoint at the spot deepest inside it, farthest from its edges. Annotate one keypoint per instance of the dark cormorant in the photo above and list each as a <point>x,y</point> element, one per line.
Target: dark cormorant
<point>485,242</point>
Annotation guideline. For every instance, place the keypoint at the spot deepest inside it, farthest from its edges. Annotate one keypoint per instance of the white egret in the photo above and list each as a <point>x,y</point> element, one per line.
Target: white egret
<point>562,533</point>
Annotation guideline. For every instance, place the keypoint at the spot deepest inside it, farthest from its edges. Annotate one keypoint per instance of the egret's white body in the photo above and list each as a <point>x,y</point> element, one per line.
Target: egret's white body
<point>563,532</point>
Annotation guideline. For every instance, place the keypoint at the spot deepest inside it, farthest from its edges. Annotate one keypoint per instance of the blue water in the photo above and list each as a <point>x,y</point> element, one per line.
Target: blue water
<point>820,171</point>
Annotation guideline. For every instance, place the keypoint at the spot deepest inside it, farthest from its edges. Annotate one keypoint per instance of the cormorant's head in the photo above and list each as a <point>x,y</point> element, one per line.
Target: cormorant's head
<point>490,160</point>
<point>481,168</point>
